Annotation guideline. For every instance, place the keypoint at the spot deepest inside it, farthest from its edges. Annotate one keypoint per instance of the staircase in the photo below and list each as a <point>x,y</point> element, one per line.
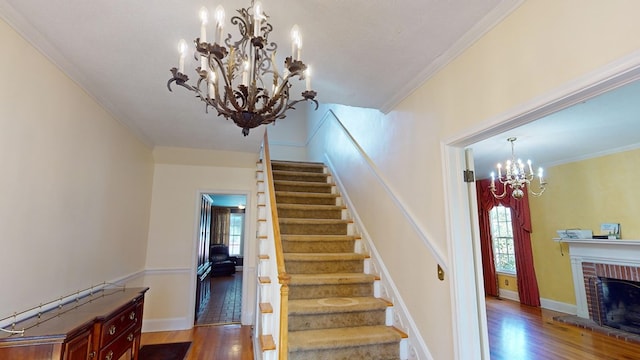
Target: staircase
<point>332,312</point>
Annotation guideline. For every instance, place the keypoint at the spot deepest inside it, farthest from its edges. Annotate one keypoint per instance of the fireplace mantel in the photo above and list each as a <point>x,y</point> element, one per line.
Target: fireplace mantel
<point>599,241</point>
<point>602,251</point>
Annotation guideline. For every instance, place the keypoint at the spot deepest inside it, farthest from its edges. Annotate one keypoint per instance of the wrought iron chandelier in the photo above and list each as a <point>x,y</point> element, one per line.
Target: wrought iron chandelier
<point>233,76</point>
<point>517,177</point>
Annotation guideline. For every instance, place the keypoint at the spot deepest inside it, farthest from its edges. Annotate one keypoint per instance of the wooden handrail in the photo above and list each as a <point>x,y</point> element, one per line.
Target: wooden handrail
<point>283,277</point>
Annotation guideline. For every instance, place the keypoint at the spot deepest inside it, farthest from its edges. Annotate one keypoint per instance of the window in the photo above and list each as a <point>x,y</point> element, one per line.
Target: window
<point>502,237</point>
<point>236,227</point>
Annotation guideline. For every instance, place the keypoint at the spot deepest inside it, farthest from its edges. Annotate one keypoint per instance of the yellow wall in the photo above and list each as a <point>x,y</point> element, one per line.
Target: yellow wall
<point>75,185</point>
<point>583,195</point>
<point>507,282</point>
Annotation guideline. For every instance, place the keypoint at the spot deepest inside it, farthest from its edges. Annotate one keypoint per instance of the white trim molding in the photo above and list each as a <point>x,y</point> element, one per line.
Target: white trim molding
<point>558,306</point>
<point>509,295</point>
<point>608,77</point>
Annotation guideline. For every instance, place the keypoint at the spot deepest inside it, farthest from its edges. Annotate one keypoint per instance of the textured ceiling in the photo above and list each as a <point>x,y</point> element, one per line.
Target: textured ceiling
<point>367,53</point>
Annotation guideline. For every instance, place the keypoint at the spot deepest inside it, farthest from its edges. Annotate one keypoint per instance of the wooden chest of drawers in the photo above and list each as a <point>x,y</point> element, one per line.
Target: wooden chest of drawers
<point>105,326</point>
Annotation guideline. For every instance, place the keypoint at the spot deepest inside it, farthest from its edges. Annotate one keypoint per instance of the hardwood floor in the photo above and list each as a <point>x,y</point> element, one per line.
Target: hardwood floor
<point>224,342</point>
<point>518,332</point>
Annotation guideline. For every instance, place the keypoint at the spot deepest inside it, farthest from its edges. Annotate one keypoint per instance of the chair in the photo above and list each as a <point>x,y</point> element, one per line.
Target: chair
<point>221,263</point>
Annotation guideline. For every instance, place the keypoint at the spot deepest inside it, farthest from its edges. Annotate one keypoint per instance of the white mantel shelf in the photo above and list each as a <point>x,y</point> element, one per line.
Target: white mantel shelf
<point>599,241</point>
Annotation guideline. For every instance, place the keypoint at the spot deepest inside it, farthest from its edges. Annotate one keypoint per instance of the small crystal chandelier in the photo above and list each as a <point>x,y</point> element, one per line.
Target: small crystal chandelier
<point>516,177</point>
<point>233,76</point>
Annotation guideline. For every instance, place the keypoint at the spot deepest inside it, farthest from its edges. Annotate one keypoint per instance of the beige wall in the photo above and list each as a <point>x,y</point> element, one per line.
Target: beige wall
<point>93,177</point>
<point>582,194</point>
<point>287,137</point>
<point>75,184</point>
<point>179,177</point>
<point>543,45</point>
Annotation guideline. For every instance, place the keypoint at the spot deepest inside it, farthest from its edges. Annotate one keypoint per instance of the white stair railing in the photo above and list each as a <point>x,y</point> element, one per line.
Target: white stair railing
<point>272,279</point>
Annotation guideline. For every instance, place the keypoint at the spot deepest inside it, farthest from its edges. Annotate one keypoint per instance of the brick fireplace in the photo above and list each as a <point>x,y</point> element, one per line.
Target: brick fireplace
<point>593,259</point>
<point>613,294</point>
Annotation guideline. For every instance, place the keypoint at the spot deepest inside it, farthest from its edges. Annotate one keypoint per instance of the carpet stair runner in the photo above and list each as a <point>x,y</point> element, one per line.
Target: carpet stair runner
<point>332,311</point>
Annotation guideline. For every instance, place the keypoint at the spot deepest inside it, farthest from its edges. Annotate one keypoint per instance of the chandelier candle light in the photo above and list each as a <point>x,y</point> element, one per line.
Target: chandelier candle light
<point>517,177</point>
<point>233,75</point>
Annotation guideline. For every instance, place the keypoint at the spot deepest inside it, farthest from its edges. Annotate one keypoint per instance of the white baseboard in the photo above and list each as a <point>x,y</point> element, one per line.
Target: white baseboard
<point>509,295</point>
<point>558,306</point>
<point>170,324</point>
<point>544,303</point>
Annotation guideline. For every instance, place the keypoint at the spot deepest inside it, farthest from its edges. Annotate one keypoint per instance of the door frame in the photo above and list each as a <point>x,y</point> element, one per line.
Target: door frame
<point>467,292</point>
<point>248,292</point>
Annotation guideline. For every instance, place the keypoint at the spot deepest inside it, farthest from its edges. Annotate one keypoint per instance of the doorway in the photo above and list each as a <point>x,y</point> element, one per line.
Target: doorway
<point>469,303</point>
<point>220,258</point>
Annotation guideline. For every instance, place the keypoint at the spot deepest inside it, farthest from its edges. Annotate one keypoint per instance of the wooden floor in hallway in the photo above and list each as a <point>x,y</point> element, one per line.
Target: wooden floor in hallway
<point>520,332</point>
<point>220,342</point>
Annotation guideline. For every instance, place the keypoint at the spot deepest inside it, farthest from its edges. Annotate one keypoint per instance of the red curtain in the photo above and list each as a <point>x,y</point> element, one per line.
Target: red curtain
<point>521,220</point>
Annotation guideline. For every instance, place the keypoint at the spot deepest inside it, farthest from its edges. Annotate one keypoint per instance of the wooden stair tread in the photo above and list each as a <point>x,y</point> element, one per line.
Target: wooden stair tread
<point>311,238</point>
<point>309,164</point>
<point>310,207</point>
<point>302,183</point>
<point>313,221</point>
<point>267,343</point>
<point>302,174</point>
<point>403,334</point>
<point>331,278</point>
<point>266,308</point>
<point>282,161</point>
<point>342,337</point>
<point>305,194</point>
<point>336,305</point>
<point>311,257</point>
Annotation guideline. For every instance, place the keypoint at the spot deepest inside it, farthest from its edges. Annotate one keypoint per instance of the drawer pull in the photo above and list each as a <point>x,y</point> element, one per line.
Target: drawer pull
<point>130,337</point>
<point>112,329</point>
<point>109,356</point>
<point>132,315</point>
<point>92,354</point>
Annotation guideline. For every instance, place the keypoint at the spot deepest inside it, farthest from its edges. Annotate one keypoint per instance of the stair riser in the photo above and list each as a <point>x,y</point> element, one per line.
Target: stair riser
<point>292,167</point>
<point>324,267</point>
<point>329,290</point>
<point>318,246</point>
<point>311,188</point>
<point>388,351</point>
<point>286,199</point>
<point>336,320</point>
<point>316,229</point>
<point>310,214</point>
<point>301,177</point>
